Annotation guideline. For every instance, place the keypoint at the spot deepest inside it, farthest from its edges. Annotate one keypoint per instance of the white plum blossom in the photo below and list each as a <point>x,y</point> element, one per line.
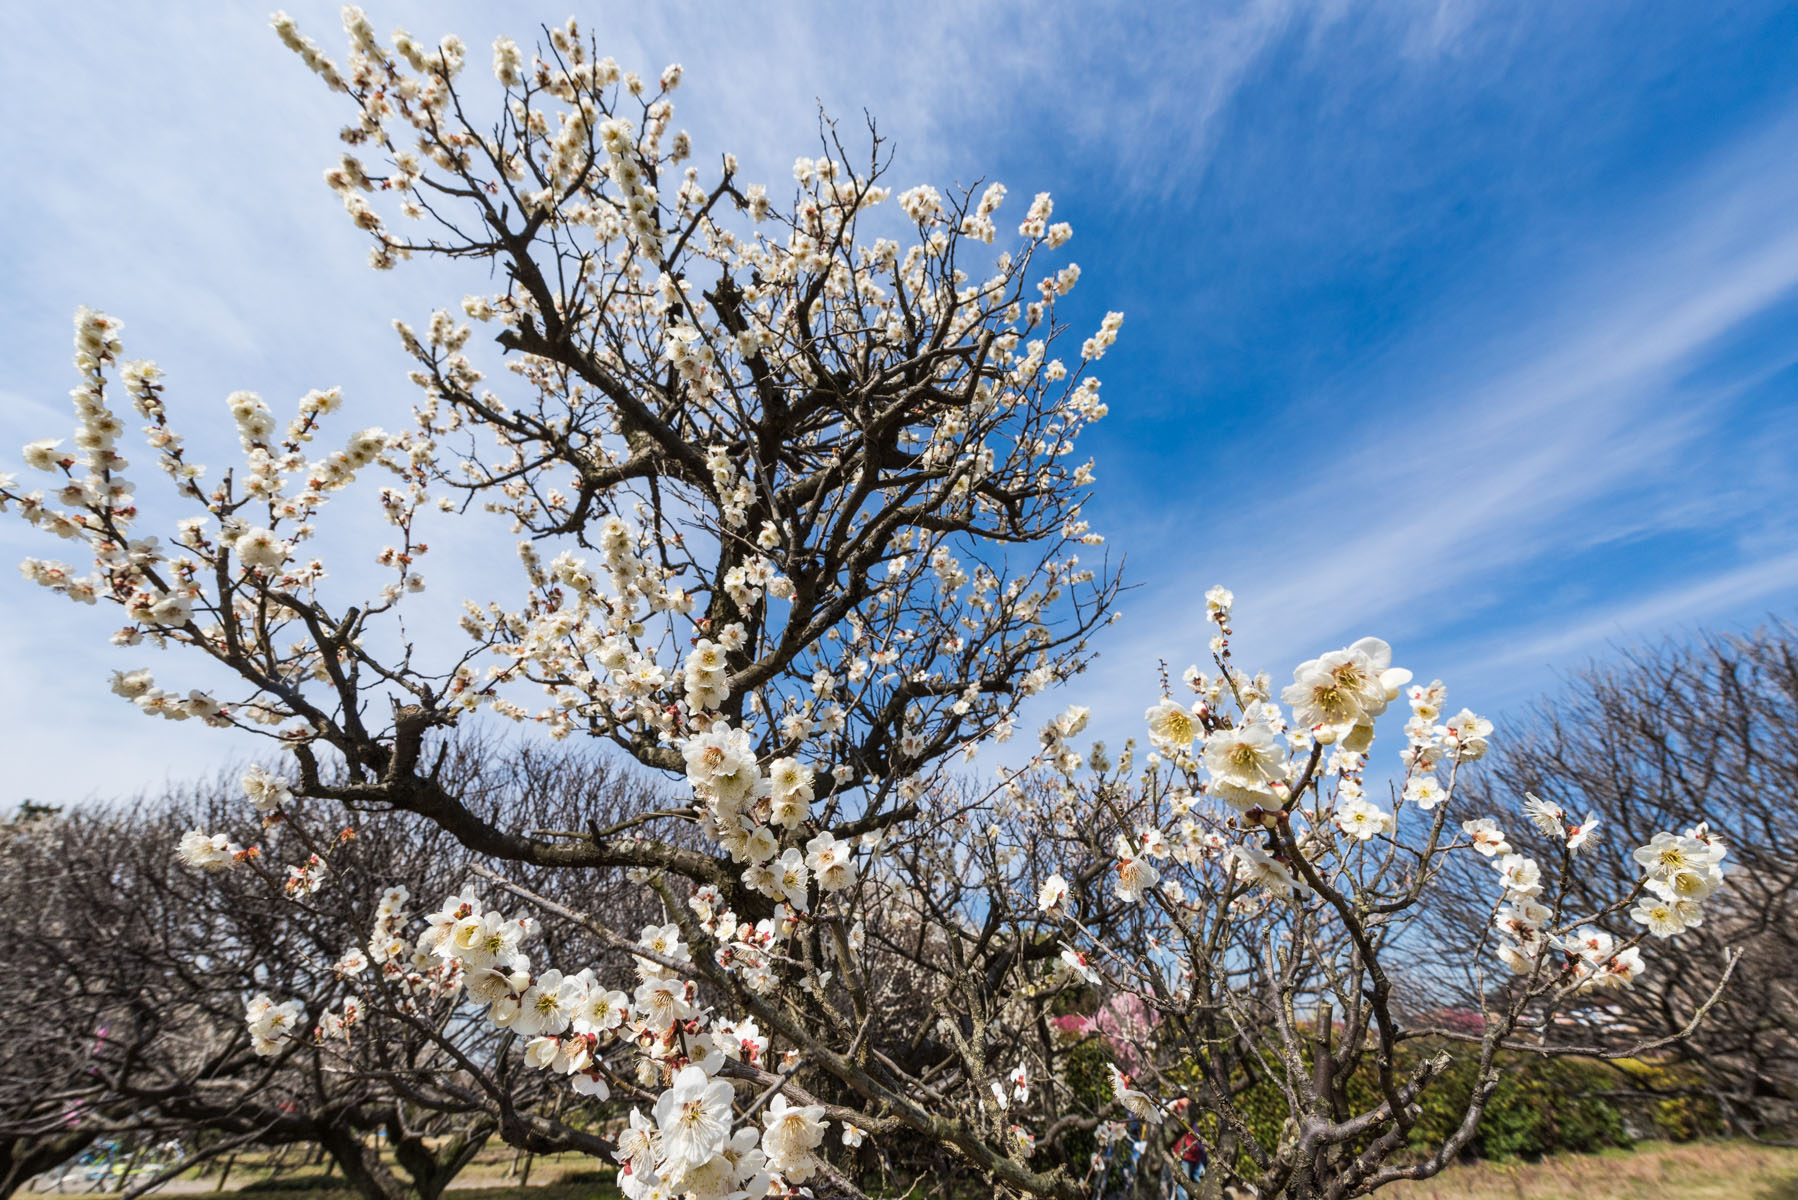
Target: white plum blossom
<point>266,790</point>
<point>1521,875</point>
<point>1076,963</point>
<point>209,851</point>
<point>1339,693</point>
<point>1544,815</point>
<point>549,1005</point>
<point>721,762</point>
<point>1581,834</point>
<point>272,1025</point>
<point>601,1011</point>
<point>1486,836</point>
<point>1464,735</point>
<point>1135,874</point>
<point>1172,727</point>
<point>1137,1103</point>
<point>1246,757</point>
<point>1425,791</point>
<point>829,862</point>
<point>693,1117</point>
<point>793,1133</point>
<point>1362,820</point>
<point>1665,918</point>
<point>261,548</point>
<point>1256,865</point>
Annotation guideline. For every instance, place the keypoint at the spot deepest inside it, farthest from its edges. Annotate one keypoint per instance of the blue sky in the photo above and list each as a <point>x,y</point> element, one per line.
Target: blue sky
<point>1473,326</point>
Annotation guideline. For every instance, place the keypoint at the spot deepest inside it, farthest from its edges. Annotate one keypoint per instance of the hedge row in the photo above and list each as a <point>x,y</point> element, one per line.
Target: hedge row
<point>1541,1106</point>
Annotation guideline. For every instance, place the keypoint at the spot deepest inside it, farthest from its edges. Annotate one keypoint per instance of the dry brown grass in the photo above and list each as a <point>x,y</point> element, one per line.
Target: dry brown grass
<point>1652,1171</point>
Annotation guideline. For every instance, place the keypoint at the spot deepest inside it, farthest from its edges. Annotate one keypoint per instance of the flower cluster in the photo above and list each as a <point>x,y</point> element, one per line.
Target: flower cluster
<point>750,810</point>
<point>1336,696</point>
<point>267,791</point>
<point>1682,872</point>
<point>209,851</point>
<point>578,1026</point>
<point>272,1025</point>
<point>214,587</point>
<point>1307,815</point>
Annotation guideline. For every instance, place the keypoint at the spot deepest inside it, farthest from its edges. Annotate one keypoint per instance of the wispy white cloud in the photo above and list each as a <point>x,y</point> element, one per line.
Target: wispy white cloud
<point>1678,607</point>
<point>176,153</point>
<point>1574,428</point>
<point>176,158</point>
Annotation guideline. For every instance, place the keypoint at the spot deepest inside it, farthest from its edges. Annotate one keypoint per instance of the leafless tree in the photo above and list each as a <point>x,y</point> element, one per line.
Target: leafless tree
<point>124,1010</point>
<point>1672,735</point>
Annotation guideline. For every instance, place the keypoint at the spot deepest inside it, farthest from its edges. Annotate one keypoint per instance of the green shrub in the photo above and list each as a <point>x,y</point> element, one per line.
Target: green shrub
<point>1541,1106</point>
